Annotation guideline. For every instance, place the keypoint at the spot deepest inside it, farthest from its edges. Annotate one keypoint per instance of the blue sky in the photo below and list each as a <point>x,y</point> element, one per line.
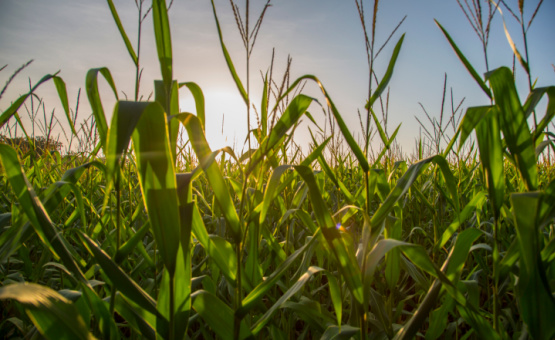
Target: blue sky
<point>324,38</point>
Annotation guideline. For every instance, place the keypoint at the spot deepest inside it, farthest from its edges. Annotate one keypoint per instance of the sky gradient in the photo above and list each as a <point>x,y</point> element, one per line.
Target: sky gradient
<point>323,37</point>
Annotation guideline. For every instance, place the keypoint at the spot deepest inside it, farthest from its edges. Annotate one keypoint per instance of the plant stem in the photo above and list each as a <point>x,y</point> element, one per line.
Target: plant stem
<point>238,251</point>
<point>138,68</point>
<point>172,306</point>
<point>495,279</point>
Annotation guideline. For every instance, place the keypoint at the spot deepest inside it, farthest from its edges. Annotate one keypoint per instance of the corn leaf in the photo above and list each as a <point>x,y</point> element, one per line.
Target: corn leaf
<point>388,74</point>
<point>513,123</point>
<point>199,102</point>
<point>217,315</point>
<point>465,61</point>
<point>95,102</point>
<point>62,93</point>
<point>163,40</point>
<point>264,319</point>
<point>345,259</point>
<point>212,171</point>
<point>121,30</point>
<point>12,110</point>
<point>537,304</point>
<point>54,316</point>
<point>35,212</point>
<point>228,60</point>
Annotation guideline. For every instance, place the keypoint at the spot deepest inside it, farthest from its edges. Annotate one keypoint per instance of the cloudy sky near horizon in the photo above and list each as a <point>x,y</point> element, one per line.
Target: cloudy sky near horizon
<point>323,37</point>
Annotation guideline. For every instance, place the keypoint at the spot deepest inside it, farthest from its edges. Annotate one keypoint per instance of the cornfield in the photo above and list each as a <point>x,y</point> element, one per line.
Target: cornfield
<point>152,234</point>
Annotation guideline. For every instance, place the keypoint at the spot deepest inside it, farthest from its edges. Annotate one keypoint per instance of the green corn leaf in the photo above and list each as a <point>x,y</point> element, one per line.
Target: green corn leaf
<point>470,120</point>
<point>438,319</point>
<point>54,316</point>
<point>260,323</point>
<point>222,254</point>
<point>521,60</point>
<point>119,278</point>
<point>513,123</point>
<point>228,60</point>
<point>62,93</point>
<point>212,171</point>
<point>163,40</point>
<point>182,301</point>
<point>388,74</point>
<point>465,61</point>
<point>310,311</point>
<point>297,107</point>
<point>381,131</point>
<point>13,238</point>
<point>353,145</point>
<point>457,258</point>
<point>258,292</point>
<point>549,113</point>
<point>459,253</point>
<point>346,260</point>
<point>475,203</point>
<point>264,108</point>
<point>130,49</point>
<point>533,99</point>
<point>342,332</point>
<point>199,101</point>
<point>157,177</point>
<point>335,294</point>
<point>35,211</point>
<point>387,144</point>
<point>12,110</point>
<point>138,318</point>
<point>107,325</point>
<point>404,183</point>
<point>489,143</point>
<point>536,302</point>
<point>132,243</point>
<point>168,97</point>
<point>146,123</point>
<point>329,172</point>
<point>217,315</point>
<point>96,104</point>
<point>270,194</point>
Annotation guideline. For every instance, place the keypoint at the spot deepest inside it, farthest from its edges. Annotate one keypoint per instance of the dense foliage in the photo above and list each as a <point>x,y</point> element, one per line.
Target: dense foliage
<point>158,238</point>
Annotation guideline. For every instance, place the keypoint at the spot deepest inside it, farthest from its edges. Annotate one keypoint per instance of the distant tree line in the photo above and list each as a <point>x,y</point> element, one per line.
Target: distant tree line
<point>39,144</point>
